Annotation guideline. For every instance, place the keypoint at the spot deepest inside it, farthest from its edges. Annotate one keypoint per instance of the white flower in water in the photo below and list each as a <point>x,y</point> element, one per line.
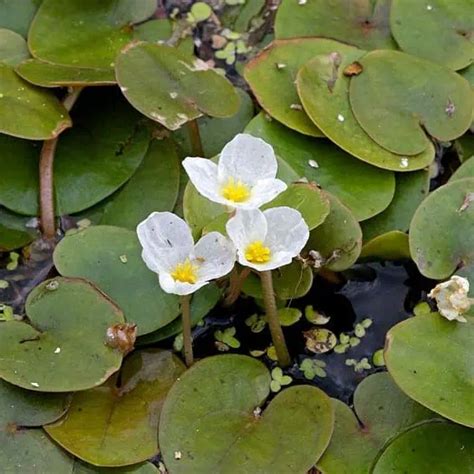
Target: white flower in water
<point>269,239</point>
<point>452,298</point>
<point>245,176</point>
<point>182,266</point>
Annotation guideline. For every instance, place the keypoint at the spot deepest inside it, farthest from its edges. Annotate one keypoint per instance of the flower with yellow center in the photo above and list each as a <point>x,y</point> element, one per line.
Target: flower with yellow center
<point>244,178</point>
<point>269,239</point>
<point>182,266</point>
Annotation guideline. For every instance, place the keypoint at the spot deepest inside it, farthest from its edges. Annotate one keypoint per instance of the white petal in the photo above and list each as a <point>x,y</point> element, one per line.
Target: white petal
<point>203,174</point>
<point>246,227</point>
<point>264,191</point>
<point>166,240</point>
<point>278,260</point>
<point>215,255</point>
<point>287,230</point>
<point>248,159</point>
<point>170,285</point>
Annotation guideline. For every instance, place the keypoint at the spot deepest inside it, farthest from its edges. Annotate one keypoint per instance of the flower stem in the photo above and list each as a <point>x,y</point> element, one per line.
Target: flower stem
<point>187,337</point>
<point>195,137</point>
<point>237,281</point>
<point>278,337</point>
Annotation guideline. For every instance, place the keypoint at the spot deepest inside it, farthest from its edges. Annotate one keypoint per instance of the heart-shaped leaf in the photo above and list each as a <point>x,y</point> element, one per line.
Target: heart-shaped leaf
<point>398,98</point>
<point>442,231</point>
<point>13,48</point>
<point>98,427</point>
<point>323,88</point>
<point>169,87</point>
<point>364,189</point>
<point>63,349</point>
<point>214,426</point>
<point>438,30</point>
<point>448,447</point>
<point>392,245</point>
<point>110,257</point>
<point>382,411</point>
<point>17,16</point>
<point>430,359</point>
<point>363,23</point>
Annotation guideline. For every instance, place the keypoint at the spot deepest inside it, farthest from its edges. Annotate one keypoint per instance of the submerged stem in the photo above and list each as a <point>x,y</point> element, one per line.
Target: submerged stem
<point>187,337</point>
<point>278,337</point>
<point>195,137</point>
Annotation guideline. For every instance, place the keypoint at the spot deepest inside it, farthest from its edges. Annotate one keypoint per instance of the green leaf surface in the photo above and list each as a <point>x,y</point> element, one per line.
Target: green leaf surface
<point>14,232</point>
<point>447,448</point>
<point>438,30</point>
<point>85,33</point>
<point>430,359</point>
<point>364,189</point>
<point>17,15</point>
<point>382,411</point>
<point>169,87</point>
<point>63,348</point>
<point>397,99</point>
<point>118,425</point>
<point>323,88</point>
<point>154,30</point>
<point>110,257</point>
<point>392,245</point>
<point>214,428</point>
<point>466,170</point>
<point>13,47</point>
<point>154,187</point>
<point>83,468</point>
<point>364,23</point>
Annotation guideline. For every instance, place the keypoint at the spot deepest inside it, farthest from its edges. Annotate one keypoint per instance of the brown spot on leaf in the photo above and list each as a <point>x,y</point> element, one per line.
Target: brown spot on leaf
<point>467,202</point>
<point>122,337</point>
<point>353,69</point>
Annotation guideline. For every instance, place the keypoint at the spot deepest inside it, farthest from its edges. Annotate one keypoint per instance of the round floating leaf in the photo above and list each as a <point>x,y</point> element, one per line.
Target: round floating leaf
<point>98,427</point>
<point>323,88</point>
<point>466,170</point>
<point>171,88</point>
<point>272,74</point>
<point>110,257</point>
<point>430,359</point>
<point>47,74</point>
<point>14,232</point>
<point>442,231</point>
<point>85,34</point>
<point>215,429</point>
<point>397,97</point>
<point>338,239</point>
<point>145,468</point>
<point>383,410</point>
<point>27,111</point>
<point>363,23</point>
<point>154,187</point>
<point>445,447</point>
<point>17,15</point>
<point>154,30</point>
<point>13,48</point>
<point>64,347</point>
<point>392,245</point>
<point>465,146</point>
<point>438,30</point>
<point>364,189</point>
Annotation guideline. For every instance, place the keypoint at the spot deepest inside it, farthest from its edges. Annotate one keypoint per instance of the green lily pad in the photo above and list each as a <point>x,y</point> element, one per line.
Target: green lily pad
<point>323,89</point>
<point>110,257</point>
<point>289,282</point>
<point>442,231</point>
<point>145,468</point>
<point>364,189</point>
<point>383,411</point>
<point>392,245</point>
<point>438,30</point>
<point>154,187</point>
<point>17,15</point>
<point>87,34</point>
<point>363,23</point>
<point>466,170</point>
<point>338,239</point>
<point>98,427</point>
<point>13,231</point>
<point>465,147</point>
<point>430,359</point>
<point>423,97</point>
<point>448,447</point>
<point>154,30</point>
<point>27,111</point>
<point>215,428</point>
<point>63,349</point>
<point>13,47</point>
<point>271,76</point>
<point>45,74</point>
<point>171,88</point>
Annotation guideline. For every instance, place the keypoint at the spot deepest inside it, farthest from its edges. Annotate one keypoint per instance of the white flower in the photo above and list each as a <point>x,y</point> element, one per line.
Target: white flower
<point>182,267</point>
<point>245,176</point>
<point>269,239</point>
<point>452,298</point>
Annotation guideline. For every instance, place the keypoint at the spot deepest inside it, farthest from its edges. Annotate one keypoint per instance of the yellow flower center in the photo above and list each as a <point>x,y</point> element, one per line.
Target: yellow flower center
<point>235,191</point>
<point>256,252</point>
<point>185,272</point>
